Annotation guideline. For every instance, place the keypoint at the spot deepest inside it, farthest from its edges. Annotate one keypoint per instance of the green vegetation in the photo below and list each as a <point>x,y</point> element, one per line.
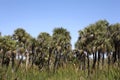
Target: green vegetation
<point>68,73</point>
<point>51,57</point>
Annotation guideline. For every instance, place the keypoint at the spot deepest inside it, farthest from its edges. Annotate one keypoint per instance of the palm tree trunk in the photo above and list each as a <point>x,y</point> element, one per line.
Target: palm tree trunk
<point>55,63</point>
<point>3,57</point>
<point>33,55</point>
<point>115,54</point>
<point>108,62</point>
<point>118,50</point>
<point>109,58</point>
<point>88,64</point>
<point>64,60</point>
<point>13,61</point>
<point>94,60</point>
<point>84,62</point>
<point>27,60</point>
<point>33,59</point>
<point>98,59</point>
<point>41,60</point>
<point>93,56</point>
<point>114,58</point>
<point>57,60</point>
<point>103,56</point>
<point>50,52</point>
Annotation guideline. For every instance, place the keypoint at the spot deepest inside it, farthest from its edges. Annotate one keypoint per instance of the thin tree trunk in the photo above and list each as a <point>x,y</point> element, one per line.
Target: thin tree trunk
<point>50,52</point>
<point>27,60</point>
<point>84,62</point>
<point>98,59</point>
<point>108,62</point>
<point>93,57</point>
<point>114,57</point>
<point>64,60</point>
<point>33,55</point>
<point>88,64</point>
<point>55,63</point>
<point>118,49</point>
<point>115,54</point>
<point>94,61</point>
<point>41,61</point>
<point>13,61</point>
<point>103,57</point>
<point>3,57</point>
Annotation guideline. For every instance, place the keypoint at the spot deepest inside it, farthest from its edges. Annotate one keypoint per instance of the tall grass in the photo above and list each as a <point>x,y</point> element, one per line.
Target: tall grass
<point>68,73</point>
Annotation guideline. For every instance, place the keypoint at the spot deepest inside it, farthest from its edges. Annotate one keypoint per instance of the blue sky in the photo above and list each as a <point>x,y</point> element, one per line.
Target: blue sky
<point>37,16</point>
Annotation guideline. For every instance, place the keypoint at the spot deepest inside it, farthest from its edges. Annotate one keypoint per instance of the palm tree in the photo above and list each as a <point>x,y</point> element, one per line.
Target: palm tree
<point>7,49</point>
<point>33,46</point>
<point>85,41</point>
<point>12,50</point>
<point>80,45</point>
<point>99,33</point>
<point>80,58</point>
<point>115,36</point>
<point>61,42</point>
<point>28,52</point>
<point>44,40</point>
<point>3,46</point>
<point>21,36</point>
<point>91,40</point>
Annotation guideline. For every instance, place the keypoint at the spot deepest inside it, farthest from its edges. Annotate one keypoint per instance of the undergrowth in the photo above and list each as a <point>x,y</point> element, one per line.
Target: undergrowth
<point>68,73</point>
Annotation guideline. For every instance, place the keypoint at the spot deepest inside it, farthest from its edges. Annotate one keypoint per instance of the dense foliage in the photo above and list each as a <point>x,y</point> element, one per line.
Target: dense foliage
<point>54,53</point>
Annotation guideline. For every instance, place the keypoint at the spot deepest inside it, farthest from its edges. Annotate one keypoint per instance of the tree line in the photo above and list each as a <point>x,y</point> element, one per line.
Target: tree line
<point>50,52</point>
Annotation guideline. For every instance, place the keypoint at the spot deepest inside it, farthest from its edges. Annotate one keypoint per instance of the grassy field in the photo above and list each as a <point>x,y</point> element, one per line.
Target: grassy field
<point>68,73</point>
